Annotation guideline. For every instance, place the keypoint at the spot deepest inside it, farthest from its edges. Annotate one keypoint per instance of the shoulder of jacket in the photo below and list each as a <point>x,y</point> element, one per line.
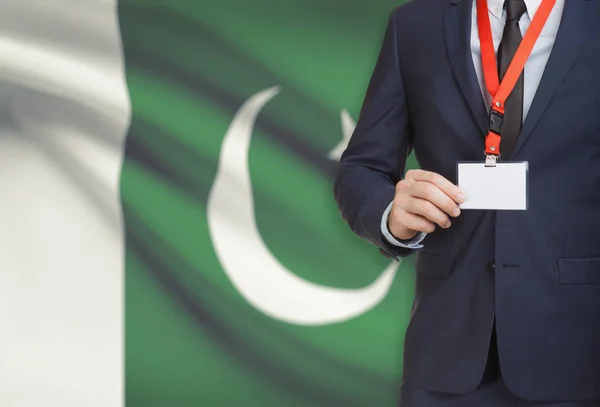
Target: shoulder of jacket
<point>412,8</point>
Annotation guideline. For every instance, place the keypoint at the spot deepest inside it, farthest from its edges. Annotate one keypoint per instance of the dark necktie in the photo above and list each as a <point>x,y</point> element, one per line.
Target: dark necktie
<point>513,107</point>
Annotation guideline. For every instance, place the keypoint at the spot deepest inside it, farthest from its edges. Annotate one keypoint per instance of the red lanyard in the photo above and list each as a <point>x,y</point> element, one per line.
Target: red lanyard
<point>501,91</point>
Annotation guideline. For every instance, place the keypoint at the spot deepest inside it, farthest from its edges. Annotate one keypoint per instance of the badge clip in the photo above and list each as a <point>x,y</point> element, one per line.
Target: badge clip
<point>490,160</point>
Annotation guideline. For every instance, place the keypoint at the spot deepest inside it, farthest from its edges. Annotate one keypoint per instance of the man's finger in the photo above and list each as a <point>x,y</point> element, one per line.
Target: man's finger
<point>432,193</point>
<point>428,211</point>
<point>415,222</point>
<point>442,183</point>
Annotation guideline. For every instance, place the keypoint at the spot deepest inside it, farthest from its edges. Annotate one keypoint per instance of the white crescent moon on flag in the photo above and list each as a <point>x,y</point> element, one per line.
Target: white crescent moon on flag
<point>249,264</point>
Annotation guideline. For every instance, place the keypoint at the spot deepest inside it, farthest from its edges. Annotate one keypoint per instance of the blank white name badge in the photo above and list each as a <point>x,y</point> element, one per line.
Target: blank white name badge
<point>502,187</point>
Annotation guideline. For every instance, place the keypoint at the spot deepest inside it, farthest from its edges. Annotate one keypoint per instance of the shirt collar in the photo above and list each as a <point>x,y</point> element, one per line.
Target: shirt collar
<point>496,7</point>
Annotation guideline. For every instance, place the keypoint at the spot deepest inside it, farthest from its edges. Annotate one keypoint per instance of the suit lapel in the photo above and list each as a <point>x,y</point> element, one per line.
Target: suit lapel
<point>577,19</point>
<point>457,31</point>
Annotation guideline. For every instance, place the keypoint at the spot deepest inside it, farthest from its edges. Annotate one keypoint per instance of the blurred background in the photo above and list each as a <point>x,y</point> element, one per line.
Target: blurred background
<point>168,235</point>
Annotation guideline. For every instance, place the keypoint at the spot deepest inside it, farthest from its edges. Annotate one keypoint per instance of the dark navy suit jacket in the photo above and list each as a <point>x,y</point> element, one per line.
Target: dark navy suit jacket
<point>544,290</point>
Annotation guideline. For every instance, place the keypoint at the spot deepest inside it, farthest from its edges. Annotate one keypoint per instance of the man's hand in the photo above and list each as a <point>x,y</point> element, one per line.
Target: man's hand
<point>423,199</point>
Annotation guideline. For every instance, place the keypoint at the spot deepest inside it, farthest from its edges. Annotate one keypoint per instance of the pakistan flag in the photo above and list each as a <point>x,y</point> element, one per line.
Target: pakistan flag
<point>169,236</point>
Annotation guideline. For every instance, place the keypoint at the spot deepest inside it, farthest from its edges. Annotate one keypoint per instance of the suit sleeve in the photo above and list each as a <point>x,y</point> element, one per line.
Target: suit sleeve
<point>376,156</point>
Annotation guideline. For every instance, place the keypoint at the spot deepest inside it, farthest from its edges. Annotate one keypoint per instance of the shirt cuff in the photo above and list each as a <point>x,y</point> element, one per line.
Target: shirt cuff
<point>413,243</point>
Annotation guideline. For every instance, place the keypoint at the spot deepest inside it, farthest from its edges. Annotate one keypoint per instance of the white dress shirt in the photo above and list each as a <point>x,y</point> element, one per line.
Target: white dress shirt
<point>534,68</point>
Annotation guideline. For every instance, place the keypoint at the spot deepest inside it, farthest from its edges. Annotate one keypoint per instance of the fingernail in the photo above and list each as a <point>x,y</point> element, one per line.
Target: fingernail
<point>461,198</point>
<point>447,225</point>
<point>456,212</point>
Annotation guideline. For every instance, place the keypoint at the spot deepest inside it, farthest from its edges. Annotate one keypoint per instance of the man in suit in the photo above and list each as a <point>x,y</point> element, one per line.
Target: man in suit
<point>507,303</point>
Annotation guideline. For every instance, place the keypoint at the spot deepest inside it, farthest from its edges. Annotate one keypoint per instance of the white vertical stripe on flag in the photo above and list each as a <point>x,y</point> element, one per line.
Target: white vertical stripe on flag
<point>64,113</point>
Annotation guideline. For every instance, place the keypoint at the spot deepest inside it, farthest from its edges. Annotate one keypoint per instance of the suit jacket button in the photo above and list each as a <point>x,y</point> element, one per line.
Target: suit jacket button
<point>388,254</point>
